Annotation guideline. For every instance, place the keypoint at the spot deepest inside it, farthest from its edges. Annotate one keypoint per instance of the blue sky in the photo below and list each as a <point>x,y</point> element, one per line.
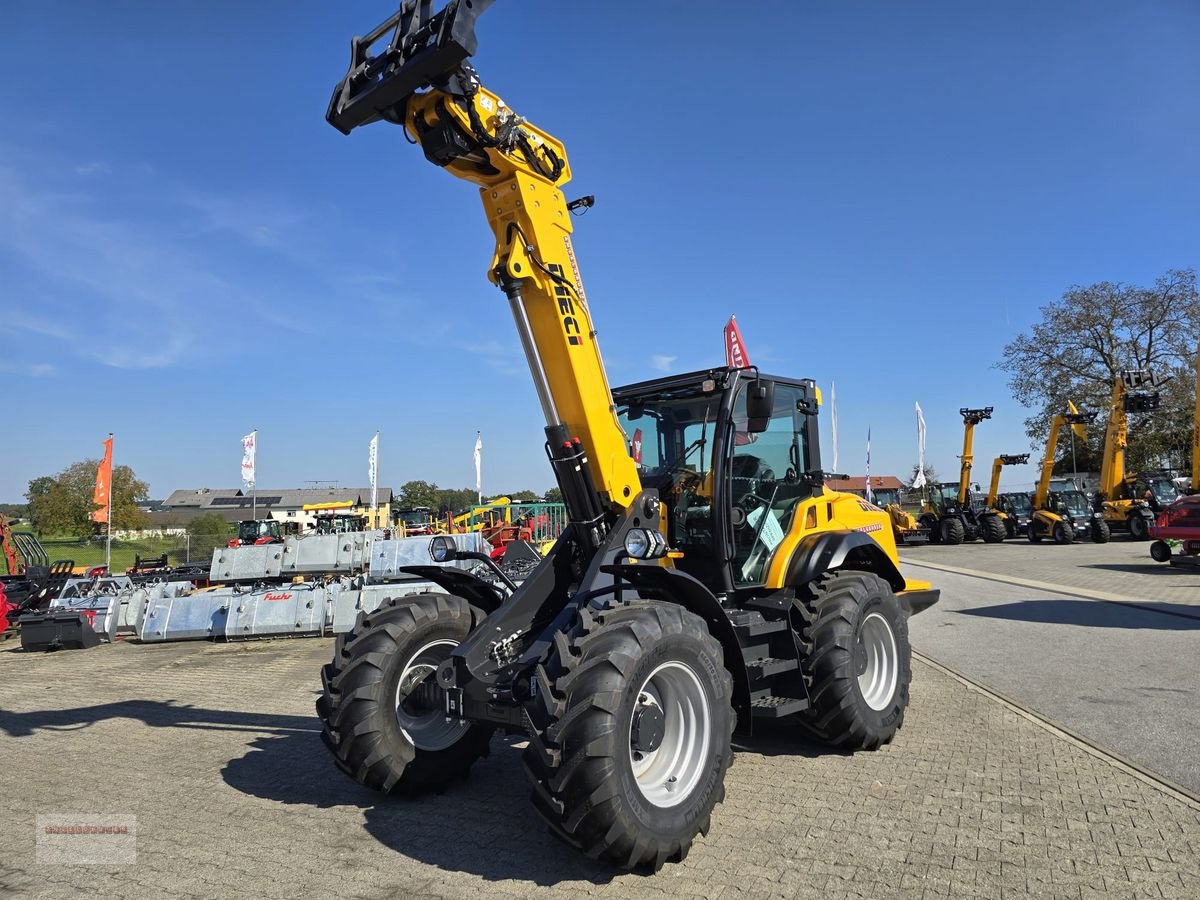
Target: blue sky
<point>882,193</point>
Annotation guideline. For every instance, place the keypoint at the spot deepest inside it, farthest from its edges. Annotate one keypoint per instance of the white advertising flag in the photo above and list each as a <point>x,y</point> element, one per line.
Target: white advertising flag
<point>919,480</point>
<point>833,421</point>
<point>479,465</point>
<point>249,452</point>
<point>373,470</point>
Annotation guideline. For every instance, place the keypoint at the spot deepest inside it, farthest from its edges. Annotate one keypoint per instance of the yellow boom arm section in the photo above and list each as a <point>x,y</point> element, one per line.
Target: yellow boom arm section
<point>421,80</point>
<point>1077,421</point>
<point>1127,396</point>
<point>1004,459</point>
<point>1195,488</point>
<point>971,418</point>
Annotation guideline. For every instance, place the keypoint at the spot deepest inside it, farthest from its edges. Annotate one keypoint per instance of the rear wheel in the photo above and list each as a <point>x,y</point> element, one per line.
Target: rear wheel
<point>1033,531</point>
<point>1062,532</point>
<point>384,719</point>
<point>1139,528</point>
<point>1100,531</point>
<point>935,529</point>
<point>634,717</point>
<point>858,660</point>
<point>1160,551</point>
<point>952,531</point>
<point>992,529</point>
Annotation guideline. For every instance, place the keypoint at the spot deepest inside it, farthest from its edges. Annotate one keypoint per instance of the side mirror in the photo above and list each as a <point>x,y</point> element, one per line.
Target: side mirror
<point>760,403</point>
<point>443,549</point>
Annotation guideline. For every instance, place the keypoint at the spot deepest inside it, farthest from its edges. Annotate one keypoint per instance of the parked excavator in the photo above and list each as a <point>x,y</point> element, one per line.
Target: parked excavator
<point>953,513</point>
<point>1128,503</point>
<point>1009,512</point>
<point>713,585</point>
<point>1064,515</point>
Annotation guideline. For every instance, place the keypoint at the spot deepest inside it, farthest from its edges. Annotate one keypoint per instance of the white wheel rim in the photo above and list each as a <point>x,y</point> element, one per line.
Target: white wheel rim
<point>429,731</point>
<point>667,775</point>
<point>878,662</point>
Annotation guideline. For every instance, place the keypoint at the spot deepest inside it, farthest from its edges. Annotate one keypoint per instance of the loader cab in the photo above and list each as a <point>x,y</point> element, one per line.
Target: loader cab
<point>883,497</point>
<point>731,455</point>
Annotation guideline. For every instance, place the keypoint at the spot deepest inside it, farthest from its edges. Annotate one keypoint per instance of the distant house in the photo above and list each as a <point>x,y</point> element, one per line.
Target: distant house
<point>857,484</point>
<point>284,504</point>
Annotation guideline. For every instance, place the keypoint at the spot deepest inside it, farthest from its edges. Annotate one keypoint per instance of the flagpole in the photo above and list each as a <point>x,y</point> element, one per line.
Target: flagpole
<point>111,497</point>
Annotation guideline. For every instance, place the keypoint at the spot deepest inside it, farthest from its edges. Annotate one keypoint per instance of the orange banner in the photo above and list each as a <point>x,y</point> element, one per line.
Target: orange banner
<point>103,492</point>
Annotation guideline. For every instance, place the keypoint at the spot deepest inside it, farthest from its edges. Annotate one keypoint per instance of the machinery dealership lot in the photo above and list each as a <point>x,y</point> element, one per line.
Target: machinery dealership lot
<point>216,751</point>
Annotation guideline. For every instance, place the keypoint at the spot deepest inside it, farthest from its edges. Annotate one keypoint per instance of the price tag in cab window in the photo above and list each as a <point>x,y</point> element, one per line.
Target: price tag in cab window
<point>771,533</point>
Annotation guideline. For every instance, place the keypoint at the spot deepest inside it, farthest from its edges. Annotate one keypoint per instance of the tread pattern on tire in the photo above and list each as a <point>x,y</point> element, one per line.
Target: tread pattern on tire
<point>351,696</point>
<point>953,531</point>
<point>992,529</point>
<point>1100,531</point>
<point>574,711</point>
<point>827,645</point>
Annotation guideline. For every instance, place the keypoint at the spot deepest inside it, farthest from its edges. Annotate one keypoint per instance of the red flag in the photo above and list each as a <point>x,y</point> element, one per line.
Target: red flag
<point>103,493</point>
<point>735,350</point>
<point>636,449</point>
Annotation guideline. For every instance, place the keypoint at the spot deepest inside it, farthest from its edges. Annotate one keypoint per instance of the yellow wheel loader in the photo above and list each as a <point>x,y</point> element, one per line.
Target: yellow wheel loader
<point>1064,516</point>
<point>1009,512</point>
<point>1128,503</point>
<point>713,584</point>
<point>954,513</point>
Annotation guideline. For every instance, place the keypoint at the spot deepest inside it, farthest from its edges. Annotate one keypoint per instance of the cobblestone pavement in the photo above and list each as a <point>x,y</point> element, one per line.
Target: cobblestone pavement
<point>1122,568</point>
<point>214,748</point>
<point>1125,675</point>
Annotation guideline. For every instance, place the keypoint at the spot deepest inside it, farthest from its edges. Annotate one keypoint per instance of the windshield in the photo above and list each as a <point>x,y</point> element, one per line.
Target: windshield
<point>948,491</point>
<point>885,496</point>
<point>1077,504</point>
<point>414,516</point>
<point>1164,490</point>
<point>1018,503</point>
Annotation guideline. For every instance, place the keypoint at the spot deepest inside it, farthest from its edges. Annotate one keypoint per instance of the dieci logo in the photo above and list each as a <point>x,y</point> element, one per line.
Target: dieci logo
<point>566,309</point>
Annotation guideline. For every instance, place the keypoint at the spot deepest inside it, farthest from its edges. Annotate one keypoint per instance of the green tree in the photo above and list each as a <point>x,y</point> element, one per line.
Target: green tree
<point>525,497</point>
<point>62,504</point>
<point>1087,337</point>
<point>554,495</point>
<point>207,532</point>
<point>418,493</point>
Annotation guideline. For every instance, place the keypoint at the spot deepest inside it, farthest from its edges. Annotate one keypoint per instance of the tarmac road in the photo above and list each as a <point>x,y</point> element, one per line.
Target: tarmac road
<point>1124,676</point>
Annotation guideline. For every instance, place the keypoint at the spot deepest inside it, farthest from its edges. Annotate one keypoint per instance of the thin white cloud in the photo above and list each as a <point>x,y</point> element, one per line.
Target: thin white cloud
<point>662,363</point>
<point>93,168</point>
<point>36,370</point>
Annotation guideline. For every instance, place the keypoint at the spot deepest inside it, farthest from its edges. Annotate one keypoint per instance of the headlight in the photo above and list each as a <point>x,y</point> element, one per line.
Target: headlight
<point>642,543</point>
<point>442,549</point>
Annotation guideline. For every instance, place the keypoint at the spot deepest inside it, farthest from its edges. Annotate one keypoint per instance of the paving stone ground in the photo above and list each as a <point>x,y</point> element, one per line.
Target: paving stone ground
<point>1122,567</point>
<point>215,749</point>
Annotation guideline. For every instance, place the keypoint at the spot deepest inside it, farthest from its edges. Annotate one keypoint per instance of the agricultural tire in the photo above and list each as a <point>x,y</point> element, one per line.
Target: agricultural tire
<point>633,716</point>
<point>1100,531</point>
<point>1031,532</point>
<point>1063,533</point>
<point>386,744</point>
<point>993,530</point>
<point>952,531</point>
<point>1160,551</point>
<point>935,528</point>
<point>856,659</point>
<point>1139,528</point>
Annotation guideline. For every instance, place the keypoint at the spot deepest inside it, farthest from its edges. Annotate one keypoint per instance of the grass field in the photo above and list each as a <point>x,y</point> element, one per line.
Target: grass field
<point>123,552</point>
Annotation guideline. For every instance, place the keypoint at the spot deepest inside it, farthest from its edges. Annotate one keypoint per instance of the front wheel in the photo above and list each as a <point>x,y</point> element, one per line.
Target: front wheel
<point>993,530</point>
<point>634,716</point>
<point>857,659</point>
<point>1139,528</point>
<point>1063,533</point>
<point>383,716</point>
<point>1160,551</point>
<point>1100,531</point>
<point>953,531</point>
